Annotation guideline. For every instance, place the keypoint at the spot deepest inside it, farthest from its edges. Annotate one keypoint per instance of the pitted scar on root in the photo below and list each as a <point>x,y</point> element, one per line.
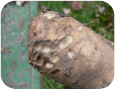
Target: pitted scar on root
<point>47,52</point>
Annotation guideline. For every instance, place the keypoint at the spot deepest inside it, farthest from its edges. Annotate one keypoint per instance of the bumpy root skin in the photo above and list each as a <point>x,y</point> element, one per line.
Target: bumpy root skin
<point>69,52</point>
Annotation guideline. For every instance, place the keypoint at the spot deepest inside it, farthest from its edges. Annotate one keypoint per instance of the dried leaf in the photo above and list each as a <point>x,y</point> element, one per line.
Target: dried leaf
<point>101,9</point>
<point>66,11</point>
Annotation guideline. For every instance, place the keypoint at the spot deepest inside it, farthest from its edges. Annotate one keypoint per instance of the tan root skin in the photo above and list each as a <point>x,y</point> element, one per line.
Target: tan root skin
<point>69,52</point>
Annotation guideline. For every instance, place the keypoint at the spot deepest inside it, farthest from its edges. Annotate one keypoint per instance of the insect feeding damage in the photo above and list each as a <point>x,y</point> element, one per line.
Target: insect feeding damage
<point>48,65</point>
<point>65,42</point>
<point>49,15</point>
<point>67,51</point>
<point>46,53</point>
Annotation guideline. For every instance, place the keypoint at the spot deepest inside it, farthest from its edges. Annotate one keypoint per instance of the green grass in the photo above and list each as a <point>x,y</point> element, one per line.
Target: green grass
<point>49,83</point>
<point>104,27</point>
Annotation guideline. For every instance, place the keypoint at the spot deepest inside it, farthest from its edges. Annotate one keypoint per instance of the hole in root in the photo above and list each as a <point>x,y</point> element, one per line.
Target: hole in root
<point>55,72</point>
